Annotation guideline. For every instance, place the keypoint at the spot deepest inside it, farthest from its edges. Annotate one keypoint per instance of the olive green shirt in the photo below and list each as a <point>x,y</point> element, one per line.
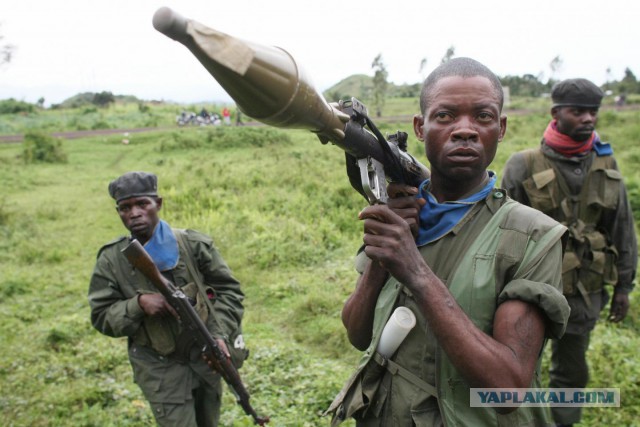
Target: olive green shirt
<point>405,403</point>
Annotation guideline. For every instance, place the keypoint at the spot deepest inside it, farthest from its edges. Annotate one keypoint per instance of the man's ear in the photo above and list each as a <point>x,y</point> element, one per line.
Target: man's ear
<point>503,127</point>
<point>418,126</point>
<point>554,112</point>
<point>159,202</point>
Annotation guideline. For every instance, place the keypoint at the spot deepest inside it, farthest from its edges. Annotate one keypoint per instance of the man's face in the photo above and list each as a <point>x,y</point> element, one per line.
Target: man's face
<point>576,122</point>
<point>140,215</point>
<point>461,129</point>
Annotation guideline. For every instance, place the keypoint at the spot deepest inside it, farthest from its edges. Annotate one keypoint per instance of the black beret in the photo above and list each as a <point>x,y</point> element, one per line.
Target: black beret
<point>576,93</point>
<point>133,184</point>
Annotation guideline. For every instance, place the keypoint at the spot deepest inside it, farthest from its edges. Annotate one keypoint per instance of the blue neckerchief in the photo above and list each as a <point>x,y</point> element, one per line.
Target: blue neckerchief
<point>437,219</point>
<point>602,148</point>
<point>163,247</point>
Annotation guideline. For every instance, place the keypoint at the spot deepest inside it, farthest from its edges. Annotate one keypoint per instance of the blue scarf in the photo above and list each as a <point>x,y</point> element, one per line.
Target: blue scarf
<point>601,148</point>
<point>437,219</point>
<point>163,247</point>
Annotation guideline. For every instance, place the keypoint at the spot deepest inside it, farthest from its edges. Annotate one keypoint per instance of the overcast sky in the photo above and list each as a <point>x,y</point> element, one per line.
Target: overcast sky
<point>70,46</point>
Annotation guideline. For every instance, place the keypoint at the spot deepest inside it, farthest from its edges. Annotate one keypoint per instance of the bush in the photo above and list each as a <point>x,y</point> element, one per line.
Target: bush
<point>42,148</point>
<point>11,106</point>
<point>103,99</point>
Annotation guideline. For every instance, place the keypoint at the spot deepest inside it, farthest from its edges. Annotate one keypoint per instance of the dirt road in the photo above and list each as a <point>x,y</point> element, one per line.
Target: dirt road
<point>389,119</point>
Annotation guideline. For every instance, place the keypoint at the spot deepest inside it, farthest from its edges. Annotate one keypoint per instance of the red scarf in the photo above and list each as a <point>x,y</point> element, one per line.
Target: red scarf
<point>564,144</point>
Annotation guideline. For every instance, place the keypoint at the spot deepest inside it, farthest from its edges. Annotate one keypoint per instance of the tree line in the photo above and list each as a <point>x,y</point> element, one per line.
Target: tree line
<point>526,85</point>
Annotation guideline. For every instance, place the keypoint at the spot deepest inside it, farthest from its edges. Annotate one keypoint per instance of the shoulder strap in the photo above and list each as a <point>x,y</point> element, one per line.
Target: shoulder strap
<point>195,273</point>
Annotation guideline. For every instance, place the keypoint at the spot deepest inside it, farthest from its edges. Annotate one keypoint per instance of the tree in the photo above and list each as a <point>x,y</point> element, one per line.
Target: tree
<point>423,65</point>
<point>450,53</point>
<point>525,85</point>
<point>555,65</point>
<point>379,84</point>
<point>609,74</point>
<point>6,52</point>
<point>629,83</point>
<point>608,84</point>
<point>103,99</point>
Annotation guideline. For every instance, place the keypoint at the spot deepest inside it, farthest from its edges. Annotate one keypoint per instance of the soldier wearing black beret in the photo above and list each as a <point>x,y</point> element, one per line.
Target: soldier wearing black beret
<point>181,389</point>
<point>134,184</point>
<point>576,93</point>
<point>574,178</point>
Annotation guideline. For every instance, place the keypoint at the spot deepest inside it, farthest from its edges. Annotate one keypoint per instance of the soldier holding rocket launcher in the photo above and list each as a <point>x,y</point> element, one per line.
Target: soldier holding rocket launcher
<point>445,255</point>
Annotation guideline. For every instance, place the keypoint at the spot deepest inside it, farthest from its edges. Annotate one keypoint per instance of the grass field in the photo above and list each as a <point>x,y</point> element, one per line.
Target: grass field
<point>284,217</point>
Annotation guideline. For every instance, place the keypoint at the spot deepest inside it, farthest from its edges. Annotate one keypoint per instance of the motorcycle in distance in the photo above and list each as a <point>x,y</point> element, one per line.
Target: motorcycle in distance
<point>202,119</point>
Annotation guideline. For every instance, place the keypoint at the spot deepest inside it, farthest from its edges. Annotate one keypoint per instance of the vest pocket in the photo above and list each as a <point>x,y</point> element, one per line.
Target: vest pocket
<point>602,270</point>
<point>368,394</point>
<point>604,188</point>
<point>570,267</point>
<point>541,190</point>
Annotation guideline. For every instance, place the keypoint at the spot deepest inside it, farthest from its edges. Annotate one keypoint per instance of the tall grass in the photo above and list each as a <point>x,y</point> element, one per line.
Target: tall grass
<point>281,212</point>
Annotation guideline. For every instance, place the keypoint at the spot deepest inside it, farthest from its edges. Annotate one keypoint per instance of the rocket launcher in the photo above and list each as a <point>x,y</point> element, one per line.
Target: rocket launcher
<point>269,86</point>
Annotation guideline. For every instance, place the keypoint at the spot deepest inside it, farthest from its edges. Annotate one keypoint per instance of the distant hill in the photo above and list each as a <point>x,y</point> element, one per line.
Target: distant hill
<point>87,99</point>
<point>361,86</point>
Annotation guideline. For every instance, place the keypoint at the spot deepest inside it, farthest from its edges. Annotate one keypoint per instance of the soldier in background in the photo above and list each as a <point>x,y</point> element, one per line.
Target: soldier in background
<point>574,178</point>
<point>181,389</point>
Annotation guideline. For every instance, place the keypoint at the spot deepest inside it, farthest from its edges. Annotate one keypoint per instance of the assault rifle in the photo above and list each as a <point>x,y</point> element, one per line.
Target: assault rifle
<point>268,85</point>
<point>190,321</point>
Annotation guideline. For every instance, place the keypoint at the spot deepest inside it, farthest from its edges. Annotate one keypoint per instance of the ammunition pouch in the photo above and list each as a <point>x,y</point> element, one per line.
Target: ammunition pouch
<point>604,188</point>
<point>589,263</point>
<point>589,260</point>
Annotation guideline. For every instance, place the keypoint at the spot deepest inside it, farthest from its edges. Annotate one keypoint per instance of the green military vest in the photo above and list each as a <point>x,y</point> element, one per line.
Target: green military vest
<point>590,258</point>
<point>479,302</point>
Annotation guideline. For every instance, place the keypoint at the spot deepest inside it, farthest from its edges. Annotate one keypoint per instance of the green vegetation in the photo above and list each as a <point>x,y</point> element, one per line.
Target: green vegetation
<point>283,215</point>
<point>12,106</point>
<point>42,148</point>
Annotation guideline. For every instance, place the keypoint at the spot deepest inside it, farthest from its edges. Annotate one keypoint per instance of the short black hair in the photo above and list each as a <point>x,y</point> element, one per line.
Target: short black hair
<point>461,67</point>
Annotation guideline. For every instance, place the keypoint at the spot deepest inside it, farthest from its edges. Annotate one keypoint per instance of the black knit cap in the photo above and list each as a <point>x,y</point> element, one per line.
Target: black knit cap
<point>576,93</point>
<point>134,184</point>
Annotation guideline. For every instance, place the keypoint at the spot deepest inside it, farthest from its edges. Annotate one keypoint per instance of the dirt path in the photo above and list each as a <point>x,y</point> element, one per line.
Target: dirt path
<point>7,139</point>
<point>80,134</point>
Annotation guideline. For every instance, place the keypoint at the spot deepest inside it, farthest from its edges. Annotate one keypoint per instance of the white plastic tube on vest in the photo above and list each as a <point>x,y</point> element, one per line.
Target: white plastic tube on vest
<point>395,331</point>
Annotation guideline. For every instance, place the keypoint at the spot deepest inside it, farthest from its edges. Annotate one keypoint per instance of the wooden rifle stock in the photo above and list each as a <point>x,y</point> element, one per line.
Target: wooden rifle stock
<point>190,320</point>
